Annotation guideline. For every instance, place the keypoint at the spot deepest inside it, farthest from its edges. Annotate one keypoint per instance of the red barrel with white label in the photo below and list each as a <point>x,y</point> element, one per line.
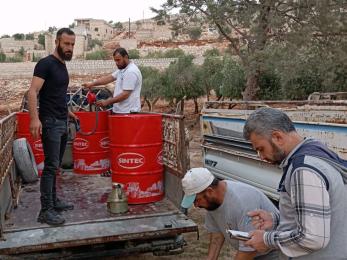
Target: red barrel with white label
<point>91,145</point>
<point>136,147</point>
<point>23,123</point>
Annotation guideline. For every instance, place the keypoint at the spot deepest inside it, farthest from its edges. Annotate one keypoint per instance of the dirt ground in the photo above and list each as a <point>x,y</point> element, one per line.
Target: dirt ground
<point>11,93</point>
<point>196,248</point>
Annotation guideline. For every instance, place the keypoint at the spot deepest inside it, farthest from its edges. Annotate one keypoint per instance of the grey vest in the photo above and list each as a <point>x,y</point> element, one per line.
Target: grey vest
<point>335,179</point>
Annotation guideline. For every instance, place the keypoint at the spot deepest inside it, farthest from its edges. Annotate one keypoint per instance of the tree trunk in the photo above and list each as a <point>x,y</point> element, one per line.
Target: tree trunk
<point>252,87</point>
<point>148,104</point>
<point>180,107</point>
<point>196,105</point>
<point>154,102</point>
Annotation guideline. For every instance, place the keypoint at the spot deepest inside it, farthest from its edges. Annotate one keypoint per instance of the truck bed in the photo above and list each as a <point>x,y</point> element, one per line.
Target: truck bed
<point>89,222</point>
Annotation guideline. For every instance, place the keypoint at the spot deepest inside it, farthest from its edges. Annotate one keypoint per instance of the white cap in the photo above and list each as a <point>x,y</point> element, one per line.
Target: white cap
<point>195,181</point>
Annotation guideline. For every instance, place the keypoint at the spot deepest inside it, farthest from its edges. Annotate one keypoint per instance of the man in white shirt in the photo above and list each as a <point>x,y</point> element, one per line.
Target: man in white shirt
<point>128,77</point>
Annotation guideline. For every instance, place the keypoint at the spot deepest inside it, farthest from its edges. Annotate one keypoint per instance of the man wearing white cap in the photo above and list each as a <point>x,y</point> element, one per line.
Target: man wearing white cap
<point>227,204</point>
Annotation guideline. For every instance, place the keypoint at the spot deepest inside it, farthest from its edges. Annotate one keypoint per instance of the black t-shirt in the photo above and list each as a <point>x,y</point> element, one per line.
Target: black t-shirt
<point>52,95</point>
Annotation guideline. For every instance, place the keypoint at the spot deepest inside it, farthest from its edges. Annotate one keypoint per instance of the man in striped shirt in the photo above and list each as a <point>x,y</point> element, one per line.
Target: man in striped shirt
<point>313,202</point>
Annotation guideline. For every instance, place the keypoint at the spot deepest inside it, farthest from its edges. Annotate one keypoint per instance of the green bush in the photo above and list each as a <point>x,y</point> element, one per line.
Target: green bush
<point>134,54</point>
<point>194,33</point>
<point>97,55</point>
<point>41,40</point>
<point>2,57</point>
<point>92,43</point>
<point>172,53</point>
<point>14,59</point>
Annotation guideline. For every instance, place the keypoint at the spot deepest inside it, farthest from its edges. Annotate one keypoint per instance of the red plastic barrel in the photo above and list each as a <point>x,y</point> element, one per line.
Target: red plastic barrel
<point>136,156</point>
<point>23,122</point>
<point>91,152</point>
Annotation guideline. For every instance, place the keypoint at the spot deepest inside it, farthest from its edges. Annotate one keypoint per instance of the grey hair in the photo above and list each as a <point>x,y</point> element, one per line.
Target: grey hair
<point>265,120</point>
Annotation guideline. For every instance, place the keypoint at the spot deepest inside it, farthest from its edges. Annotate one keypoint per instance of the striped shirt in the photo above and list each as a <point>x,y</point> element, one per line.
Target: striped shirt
<point>305,221</point>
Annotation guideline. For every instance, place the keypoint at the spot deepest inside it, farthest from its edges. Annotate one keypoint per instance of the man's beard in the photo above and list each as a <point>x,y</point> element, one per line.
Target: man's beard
<point>212,205</point>
<point>123,66</point>
<point>278,154</point>
<point>64,55</point>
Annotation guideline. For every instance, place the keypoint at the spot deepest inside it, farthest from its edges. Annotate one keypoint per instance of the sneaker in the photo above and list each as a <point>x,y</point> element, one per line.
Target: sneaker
<point>60,205</point>
<point>50,217</point>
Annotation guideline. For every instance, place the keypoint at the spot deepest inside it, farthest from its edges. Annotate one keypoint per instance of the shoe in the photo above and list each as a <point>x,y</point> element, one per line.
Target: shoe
<point>60,205</point>
<point>50,217</point>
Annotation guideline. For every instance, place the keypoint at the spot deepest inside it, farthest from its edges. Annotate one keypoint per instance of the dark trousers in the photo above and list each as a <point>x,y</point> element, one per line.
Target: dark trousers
<point>54,138</point>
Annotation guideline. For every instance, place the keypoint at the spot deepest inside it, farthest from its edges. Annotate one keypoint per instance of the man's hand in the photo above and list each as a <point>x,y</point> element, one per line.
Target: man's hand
<point>257,241</point>
<point>35,128</point>
<point>88,85</point>
<point>73,116</point>
<point>103,103</point>
<point>261,219</point>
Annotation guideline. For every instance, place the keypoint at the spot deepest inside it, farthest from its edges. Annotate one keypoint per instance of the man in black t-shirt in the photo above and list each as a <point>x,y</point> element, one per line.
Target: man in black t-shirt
<point>50,82</point>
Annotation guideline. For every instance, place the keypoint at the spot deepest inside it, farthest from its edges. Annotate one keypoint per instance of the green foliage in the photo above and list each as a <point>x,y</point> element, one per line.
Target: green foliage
<point>182,79</point>
<point>5,36</point>
<point>151,82</point>
<point>35,59</point>
<point>194,32</point>
<point>134,54</point>
<point>2,57</point>
<point>41,39</point>
<point>233,80</point>
<point>97,55</point>
<point>118,25</point>
<point>21,52</point>
<point>52,29</point>
<point>14,59</point>
<point>270,86</point>
<point>71,26</point>
<point>29,36</point>
<point>211,74</point>
<point>251,27</point>
<point>94,42</point>
<point>172,53</point>
<point>18,36</point>
<point>212,53</point>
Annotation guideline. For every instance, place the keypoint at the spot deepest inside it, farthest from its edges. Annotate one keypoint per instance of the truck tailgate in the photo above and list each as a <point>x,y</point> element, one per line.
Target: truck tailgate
<point>89,222</point>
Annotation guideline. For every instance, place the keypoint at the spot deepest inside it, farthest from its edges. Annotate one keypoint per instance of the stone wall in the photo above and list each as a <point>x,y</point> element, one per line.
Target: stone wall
<point>81,67</point>
<point>12,45</point>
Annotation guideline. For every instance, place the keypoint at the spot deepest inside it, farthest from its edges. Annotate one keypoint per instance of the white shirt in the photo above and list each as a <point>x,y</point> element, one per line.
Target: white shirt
<point>129,78</point>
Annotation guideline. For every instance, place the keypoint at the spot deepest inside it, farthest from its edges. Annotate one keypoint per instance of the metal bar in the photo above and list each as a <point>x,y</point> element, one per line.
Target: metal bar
<point>105,220</point>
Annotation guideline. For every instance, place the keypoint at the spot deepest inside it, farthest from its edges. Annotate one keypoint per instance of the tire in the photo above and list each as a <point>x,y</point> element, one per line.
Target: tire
<point>25,160</point>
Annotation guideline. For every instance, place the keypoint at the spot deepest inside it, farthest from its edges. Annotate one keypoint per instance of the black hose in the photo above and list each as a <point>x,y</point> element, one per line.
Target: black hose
<point>78,127</point>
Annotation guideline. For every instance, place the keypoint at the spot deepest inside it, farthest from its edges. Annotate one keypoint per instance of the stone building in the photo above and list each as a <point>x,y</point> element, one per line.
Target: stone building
<point>97,28</point>
<point>10,45</point>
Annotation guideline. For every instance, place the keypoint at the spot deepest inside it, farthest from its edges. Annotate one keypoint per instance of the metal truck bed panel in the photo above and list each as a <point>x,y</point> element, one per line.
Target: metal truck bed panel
<point>240,166</point>
<point>333,135</point>
<point>89,222</point>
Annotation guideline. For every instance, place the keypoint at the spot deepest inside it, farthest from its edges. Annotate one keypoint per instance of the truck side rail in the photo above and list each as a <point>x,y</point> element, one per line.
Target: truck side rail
<point>9,181</point>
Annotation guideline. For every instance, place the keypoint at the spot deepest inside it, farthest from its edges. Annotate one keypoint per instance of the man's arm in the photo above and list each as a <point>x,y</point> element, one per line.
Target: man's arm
<point>100,81</point>
<point>35,124</point>
<point>119,98</point>
<point>216,243</point>
<point>240,255</point>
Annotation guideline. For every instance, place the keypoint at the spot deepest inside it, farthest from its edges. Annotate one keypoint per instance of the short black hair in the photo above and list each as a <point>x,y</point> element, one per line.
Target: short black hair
<point>121,51</point>
<point>68,31</point>
<point>214,183</point>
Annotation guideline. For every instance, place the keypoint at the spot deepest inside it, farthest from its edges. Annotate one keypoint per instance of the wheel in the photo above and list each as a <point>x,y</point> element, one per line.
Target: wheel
<point>25,160</point>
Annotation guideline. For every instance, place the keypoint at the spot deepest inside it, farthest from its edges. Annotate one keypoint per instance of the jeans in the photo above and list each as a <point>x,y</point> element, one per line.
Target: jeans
<point>54,138</point>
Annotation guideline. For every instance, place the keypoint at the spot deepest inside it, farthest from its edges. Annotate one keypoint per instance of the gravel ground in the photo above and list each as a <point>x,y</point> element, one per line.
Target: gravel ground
<point>195,249</point>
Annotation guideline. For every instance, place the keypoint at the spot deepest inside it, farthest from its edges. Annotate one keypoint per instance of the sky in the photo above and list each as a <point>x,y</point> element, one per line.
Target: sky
<point>24,16</point>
